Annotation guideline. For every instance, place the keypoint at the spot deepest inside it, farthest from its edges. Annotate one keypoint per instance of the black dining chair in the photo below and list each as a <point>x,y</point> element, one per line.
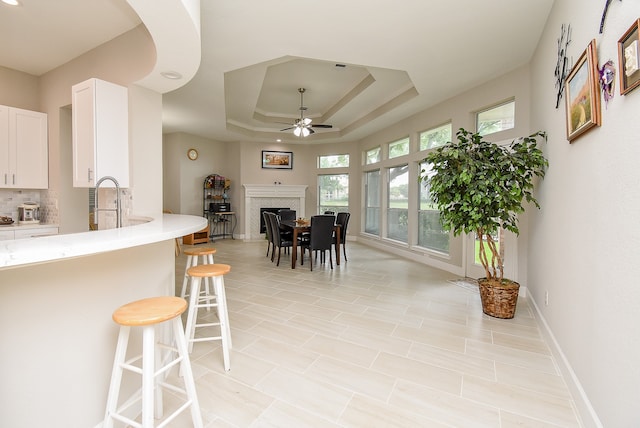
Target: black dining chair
<point>279,241</point>
<point>343,220</point>
<point>267,232</point>
<point>320,239</point>
<point>287,214</point>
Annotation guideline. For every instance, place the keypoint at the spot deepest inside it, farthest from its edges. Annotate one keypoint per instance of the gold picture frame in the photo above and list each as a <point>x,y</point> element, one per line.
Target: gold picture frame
<point>629,59</point>
<point>583,94</point>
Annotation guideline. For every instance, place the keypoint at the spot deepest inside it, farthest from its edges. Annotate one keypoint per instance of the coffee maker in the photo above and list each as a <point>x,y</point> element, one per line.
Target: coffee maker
<point>29,213</point>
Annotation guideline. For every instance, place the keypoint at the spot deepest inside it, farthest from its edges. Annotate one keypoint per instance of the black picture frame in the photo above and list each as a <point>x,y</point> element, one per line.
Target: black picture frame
<point>277,160</point>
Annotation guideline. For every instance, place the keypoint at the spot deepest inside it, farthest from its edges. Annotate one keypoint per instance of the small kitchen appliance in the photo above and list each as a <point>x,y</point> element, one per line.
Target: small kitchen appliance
<point>29,213</point>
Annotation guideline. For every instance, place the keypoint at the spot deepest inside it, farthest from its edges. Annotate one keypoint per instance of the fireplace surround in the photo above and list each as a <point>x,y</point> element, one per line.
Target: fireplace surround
<point>257,196</point>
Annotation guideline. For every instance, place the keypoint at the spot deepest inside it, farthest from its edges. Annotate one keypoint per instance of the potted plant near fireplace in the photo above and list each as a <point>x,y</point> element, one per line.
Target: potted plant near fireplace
<point>479,187</point>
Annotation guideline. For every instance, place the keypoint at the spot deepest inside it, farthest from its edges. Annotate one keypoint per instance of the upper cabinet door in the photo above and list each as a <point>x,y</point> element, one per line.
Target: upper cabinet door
<point>5,175</point>
<point>100,133</point>
<point>29,130</point>
<point>24,163</point>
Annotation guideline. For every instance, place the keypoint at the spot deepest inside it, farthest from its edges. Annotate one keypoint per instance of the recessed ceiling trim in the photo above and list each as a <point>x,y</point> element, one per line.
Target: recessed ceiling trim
<point>357,90</point>
<point>384,108</point>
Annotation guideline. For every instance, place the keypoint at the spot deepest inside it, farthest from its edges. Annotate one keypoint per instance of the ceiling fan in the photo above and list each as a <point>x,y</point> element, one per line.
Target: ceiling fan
<point>302,127</point>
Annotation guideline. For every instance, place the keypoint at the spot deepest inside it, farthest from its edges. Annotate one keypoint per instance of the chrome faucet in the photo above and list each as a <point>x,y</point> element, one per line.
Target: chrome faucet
<point>117,209</point>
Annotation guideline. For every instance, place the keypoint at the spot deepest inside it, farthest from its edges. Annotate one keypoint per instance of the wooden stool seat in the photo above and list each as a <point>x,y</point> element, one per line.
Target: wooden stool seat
<point>197,300</point>
<point>153,310</point>
<point>208,271</point>
<point>201,251</point>
<point>151,364</point>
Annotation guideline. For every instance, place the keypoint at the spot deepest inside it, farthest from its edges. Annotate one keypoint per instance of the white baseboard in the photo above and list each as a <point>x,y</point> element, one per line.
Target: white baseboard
<point>586,412</point>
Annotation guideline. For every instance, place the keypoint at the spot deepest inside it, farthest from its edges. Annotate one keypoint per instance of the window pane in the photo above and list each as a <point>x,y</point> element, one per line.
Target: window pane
<point>333,161</point>
<point>372,156</point>
<point>333,193</point>
<point>435,137</point>
<point>372,202</point>
<point>497,118</point>
<point>399,148</point>
<point>398,206</point>
<point>430,233</point>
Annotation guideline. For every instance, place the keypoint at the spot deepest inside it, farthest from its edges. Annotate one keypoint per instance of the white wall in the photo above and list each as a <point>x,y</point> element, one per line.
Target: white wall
<point>584,243</point>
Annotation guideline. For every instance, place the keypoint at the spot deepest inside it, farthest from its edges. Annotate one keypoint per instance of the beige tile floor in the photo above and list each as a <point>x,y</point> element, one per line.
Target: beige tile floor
<point>376,342</point>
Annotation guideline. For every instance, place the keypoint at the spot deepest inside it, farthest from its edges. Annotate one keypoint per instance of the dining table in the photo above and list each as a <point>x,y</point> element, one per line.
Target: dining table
<point>299,227</point>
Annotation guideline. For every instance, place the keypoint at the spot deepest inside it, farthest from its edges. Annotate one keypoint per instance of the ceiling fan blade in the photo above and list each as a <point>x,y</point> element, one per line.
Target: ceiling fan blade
<point>286,129</point>
<point>320,125</point>
<point>311,131</point>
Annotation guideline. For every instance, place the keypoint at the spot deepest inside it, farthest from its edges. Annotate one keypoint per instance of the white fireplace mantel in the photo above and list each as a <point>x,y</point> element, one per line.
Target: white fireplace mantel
<point>258,196</point>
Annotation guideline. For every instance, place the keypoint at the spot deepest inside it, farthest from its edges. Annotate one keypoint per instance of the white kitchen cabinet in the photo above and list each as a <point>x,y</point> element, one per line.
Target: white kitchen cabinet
<point>28,232</point>
<point>24,154</point>
<point>100,133</point>
<point>22,232</point>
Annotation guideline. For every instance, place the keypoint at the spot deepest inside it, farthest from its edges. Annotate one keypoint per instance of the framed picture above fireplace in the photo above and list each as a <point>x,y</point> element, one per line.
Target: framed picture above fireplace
<point>277,160</point>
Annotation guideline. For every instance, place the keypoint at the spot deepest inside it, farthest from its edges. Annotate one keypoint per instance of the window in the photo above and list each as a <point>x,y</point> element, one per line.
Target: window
<point>435,137</point>
<point>333,161</point>
<point>496,118</point>
<point>399,148</point>
<point>372,156</point>
<point>398,203</point>
<point>430,233</point>
<point>333,193</point>
<point>372,202</point>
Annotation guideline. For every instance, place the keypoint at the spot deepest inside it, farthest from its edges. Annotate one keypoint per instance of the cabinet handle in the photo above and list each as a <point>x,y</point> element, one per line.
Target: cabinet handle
<point>5,178</point>
<point>14,179</point>
<point>89,175</point>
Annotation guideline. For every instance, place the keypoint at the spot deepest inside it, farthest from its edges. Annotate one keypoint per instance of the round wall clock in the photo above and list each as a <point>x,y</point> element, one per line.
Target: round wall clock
<point>192,154</point>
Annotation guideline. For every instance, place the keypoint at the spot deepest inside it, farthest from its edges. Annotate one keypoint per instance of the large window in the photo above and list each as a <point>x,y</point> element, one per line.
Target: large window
<point>372,156</point>
<point>399,148</point>
<point>333,193</point>
<point>372,202</point>
<point>398,203</point>
<point>435,137</point>
<point>333,161</point>
<point>496,118</point>
<point>430,233</point>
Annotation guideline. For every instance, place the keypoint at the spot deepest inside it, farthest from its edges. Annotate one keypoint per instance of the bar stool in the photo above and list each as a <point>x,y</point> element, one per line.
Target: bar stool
<point>198,300</point>
<point>192,260</point>
<point>149,313</point>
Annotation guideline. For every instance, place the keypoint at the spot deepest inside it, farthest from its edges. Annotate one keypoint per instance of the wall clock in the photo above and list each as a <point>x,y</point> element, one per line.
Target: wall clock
<point>192,154</point>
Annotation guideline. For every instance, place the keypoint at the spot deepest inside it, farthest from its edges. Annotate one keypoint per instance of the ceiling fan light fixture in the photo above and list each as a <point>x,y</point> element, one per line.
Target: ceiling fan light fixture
<point>297,131</point>
<point>305,132</point>
<point>306,121</point>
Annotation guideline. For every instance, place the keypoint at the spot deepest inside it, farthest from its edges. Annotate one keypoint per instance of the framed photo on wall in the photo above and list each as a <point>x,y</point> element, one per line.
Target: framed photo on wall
<point>277,160</point>
<point>583,94</point>
<point>629,63</point>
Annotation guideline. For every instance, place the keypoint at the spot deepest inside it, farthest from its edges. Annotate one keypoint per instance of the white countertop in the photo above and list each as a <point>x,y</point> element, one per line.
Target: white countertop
<point>14,253</point>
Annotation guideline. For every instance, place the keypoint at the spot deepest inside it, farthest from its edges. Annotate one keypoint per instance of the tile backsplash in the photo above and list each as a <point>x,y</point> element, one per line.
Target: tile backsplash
<point>10,199</point>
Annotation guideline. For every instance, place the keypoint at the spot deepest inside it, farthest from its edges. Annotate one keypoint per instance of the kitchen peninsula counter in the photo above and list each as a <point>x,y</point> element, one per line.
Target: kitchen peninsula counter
<point>58,247</point>
<point>57,295</point>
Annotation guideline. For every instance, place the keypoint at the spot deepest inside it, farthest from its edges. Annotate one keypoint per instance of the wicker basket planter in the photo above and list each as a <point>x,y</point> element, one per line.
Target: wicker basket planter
<point>499,299</point>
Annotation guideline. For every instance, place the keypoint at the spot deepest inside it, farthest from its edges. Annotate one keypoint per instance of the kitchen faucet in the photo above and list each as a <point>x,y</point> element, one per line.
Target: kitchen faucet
<point>117,209</point>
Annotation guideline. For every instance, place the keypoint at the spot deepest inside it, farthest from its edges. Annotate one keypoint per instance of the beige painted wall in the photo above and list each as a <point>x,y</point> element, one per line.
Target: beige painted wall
<point>583,244</point>
<point>19,89</point>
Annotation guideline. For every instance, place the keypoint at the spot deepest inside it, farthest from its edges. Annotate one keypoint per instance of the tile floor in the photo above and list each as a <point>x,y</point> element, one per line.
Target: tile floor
<point>376,342</point>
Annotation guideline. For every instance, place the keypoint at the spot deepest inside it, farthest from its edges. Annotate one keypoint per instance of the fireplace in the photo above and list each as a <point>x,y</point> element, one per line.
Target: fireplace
<point>263,227</point>
<point>273,196</point>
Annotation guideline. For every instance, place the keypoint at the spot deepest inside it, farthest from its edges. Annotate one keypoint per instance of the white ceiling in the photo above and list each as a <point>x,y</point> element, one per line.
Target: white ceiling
<point>401,57</point>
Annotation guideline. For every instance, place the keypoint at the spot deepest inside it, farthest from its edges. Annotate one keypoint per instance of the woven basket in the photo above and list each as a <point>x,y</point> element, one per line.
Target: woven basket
<point>499,300</point>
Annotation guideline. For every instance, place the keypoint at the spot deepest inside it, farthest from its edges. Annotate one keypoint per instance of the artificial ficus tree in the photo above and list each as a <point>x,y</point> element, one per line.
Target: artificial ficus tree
<point>480,187</point>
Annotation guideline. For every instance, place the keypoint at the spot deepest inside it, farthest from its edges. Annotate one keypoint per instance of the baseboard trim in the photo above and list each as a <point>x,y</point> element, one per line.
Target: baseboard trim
<point>586,413</point>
